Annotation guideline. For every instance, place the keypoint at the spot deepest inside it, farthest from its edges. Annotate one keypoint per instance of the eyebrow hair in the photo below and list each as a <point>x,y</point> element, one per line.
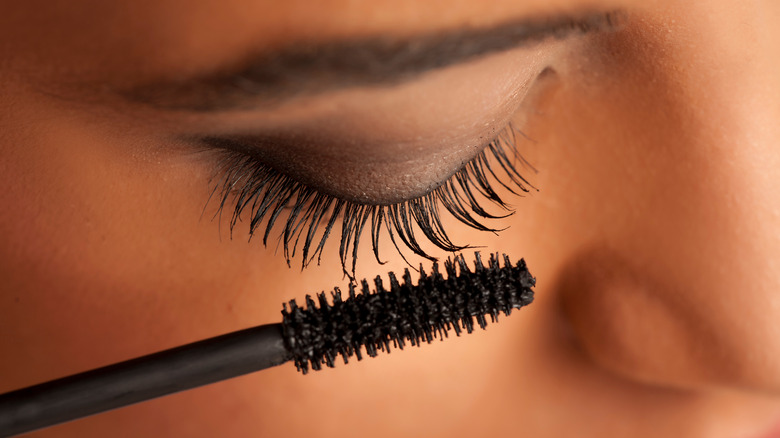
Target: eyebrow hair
<point>270,78</point>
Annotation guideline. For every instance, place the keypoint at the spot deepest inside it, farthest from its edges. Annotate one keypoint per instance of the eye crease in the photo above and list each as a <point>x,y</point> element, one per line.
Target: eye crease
<point>245,185</point>
<point>379,162</point>
<point>400,176</point>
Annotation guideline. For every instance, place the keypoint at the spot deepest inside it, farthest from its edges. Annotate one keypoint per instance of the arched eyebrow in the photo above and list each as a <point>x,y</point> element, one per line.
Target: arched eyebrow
<point>270,78</point>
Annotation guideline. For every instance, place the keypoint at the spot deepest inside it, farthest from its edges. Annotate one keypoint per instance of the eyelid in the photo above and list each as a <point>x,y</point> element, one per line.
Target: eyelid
<point>381,149</point>
<point>252,187</point>
<point>370,174</point>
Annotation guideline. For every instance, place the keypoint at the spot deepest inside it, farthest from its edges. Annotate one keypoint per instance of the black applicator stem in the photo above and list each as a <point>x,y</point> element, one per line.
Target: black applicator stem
<point>143,378</point>
<point>312,336</point>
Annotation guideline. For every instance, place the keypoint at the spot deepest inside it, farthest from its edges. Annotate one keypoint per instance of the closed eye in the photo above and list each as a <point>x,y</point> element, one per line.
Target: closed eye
<point>246,187</point>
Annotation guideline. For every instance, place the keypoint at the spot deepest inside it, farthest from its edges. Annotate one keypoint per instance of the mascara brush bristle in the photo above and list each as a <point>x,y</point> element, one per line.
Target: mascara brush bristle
<point>375,320</point>
<point>367,320</point>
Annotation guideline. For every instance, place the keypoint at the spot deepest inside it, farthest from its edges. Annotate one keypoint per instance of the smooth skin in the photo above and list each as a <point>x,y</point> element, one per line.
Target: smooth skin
<point>653,236</point>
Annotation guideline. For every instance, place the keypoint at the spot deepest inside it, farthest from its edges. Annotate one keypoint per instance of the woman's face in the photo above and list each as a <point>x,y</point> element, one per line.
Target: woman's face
<point>653,234</point>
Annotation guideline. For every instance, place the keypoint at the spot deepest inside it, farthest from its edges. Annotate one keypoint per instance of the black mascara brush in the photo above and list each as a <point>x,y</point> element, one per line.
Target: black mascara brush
<point>310,336</point>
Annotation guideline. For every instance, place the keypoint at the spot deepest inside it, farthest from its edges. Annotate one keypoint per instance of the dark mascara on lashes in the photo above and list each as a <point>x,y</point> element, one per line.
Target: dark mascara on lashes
<point>244,185</point>
<point>311,337</point>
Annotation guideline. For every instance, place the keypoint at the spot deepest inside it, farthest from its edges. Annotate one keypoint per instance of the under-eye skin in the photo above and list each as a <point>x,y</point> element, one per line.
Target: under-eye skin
<point>245,186</point>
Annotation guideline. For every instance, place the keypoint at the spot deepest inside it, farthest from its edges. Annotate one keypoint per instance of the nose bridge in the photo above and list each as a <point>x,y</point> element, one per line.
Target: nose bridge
<point>694,138</point>
<point>734,80</point>
<point>721,71</point>
<point>729,73</point>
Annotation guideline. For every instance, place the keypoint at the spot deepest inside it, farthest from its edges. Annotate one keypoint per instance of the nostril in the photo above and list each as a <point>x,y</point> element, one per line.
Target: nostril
<point>639,327</point>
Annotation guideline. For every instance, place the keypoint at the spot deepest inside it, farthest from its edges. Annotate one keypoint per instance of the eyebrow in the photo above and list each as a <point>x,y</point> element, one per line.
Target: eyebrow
<point>309,68</point>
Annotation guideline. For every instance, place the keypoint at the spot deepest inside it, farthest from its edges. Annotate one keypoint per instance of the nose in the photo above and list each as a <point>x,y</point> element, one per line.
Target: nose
<point>674,270</point>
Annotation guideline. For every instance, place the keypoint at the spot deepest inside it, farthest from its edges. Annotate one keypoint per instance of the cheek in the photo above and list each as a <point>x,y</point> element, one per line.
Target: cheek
<point>659,227</point>
<point>77,194</point>
<point>102,246</point>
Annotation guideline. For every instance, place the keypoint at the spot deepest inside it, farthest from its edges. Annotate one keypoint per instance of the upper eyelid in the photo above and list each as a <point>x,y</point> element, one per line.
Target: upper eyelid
<point>264,193</point>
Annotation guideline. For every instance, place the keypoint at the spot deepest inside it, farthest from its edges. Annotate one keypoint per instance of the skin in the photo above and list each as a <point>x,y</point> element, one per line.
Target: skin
<point>653,236</point>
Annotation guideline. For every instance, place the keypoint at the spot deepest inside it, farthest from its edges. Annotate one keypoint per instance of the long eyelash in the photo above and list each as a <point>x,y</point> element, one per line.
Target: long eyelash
<point>251,186</point>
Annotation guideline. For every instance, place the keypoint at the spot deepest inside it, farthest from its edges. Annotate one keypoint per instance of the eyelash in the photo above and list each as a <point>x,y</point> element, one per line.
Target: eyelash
<point>243,183</point>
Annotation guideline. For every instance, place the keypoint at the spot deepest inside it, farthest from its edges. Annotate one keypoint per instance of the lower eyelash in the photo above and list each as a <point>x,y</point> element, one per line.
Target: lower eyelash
<point>243,184</point>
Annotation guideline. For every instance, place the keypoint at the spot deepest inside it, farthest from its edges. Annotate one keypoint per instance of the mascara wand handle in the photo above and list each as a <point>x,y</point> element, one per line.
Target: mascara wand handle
<point>143,378</point>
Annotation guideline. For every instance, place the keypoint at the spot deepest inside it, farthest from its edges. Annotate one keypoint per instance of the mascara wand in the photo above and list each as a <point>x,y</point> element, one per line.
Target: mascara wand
<point>311,337</point>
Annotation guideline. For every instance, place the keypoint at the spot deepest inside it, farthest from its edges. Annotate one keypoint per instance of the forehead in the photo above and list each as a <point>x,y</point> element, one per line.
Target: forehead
<point>96,37</point>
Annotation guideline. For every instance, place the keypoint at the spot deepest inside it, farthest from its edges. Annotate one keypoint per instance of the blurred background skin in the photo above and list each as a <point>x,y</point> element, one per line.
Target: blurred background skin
<point>653,237</point>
